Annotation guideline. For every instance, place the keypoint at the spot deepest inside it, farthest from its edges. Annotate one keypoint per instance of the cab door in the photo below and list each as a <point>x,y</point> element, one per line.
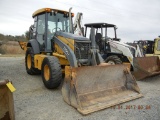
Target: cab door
<point>41,34</point>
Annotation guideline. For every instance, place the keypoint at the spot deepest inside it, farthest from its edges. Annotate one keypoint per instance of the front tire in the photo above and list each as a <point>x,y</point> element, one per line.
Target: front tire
<point>51,72</point>
<point>113,59</point>
<point>29,62</point>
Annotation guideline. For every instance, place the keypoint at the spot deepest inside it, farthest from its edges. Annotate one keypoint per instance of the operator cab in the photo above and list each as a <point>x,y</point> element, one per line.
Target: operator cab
<point>104,33</point>
<point>47,22</point>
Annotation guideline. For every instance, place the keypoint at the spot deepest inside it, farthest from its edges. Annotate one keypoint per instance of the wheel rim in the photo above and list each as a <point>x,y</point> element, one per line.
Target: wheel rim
<point>46,72</point>
<point>111,62</point>
<point>29,61</point>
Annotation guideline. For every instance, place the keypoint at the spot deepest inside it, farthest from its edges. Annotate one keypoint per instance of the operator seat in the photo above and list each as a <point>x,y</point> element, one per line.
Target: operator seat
<point>98,39</point>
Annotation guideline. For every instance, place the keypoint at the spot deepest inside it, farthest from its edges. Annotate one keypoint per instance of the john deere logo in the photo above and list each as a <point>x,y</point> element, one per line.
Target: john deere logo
<point>65,50</point>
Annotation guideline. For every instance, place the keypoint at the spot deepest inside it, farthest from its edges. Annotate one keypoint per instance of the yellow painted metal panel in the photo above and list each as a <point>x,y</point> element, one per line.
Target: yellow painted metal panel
<point>62,59</point>
<point>67,41</point>
<point>38,59</point>
<point>11,87</point>
<point>58,51</point>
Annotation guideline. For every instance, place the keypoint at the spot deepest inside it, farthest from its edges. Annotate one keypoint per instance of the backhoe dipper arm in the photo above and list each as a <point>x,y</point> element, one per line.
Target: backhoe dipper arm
<point>77,26</point>
<point>67,51</point>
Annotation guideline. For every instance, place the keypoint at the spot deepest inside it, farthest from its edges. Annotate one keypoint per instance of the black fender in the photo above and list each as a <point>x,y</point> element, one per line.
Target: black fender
<point>35,46</point>
<point>121,56</point>
<point>105,55</point>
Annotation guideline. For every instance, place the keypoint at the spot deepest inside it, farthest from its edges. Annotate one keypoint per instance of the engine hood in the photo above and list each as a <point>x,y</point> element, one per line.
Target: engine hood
<point>71,36</point>
<point>121,43</point>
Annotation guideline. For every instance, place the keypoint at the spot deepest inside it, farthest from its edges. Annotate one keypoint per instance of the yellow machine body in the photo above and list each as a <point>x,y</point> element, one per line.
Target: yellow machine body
<point>38,58</point>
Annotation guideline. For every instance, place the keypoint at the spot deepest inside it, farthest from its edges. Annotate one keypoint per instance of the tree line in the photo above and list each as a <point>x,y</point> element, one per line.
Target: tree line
<point>5,38</point>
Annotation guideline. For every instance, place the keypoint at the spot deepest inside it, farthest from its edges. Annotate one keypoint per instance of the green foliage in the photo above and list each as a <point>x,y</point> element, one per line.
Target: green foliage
<point>5,38</point>
<point>27,35</point>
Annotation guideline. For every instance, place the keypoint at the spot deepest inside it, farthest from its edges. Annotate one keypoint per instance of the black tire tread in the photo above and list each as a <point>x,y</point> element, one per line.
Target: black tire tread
<point>55,72</point>
<point>32,70</point>
<point>114,58</point>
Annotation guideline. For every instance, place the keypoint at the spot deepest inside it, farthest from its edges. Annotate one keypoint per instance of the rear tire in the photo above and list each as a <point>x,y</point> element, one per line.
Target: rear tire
<point>113,59</point>
<point>51,72</point>
<point>29,62</point>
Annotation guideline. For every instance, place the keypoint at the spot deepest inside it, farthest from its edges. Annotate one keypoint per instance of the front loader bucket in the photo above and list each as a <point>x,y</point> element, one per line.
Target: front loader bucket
<point>146,66</point>
<point>6,102</point>
<point>93,88</point>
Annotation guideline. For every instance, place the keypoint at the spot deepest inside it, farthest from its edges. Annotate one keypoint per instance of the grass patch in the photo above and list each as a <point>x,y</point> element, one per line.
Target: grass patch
<point>11,47</point>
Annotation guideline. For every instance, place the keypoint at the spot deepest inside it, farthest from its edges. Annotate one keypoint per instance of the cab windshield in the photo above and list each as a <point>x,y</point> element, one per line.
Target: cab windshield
<point>58,22</point>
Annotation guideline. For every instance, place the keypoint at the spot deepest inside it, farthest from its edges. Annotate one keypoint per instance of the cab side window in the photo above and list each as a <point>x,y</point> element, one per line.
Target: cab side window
<point>35,27</point>
<point>41,30</point>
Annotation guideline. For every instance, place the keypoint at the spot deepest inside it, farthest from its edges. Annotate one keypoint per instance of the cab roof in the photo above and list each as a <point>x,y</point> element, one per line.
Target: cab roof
<point>99,25</point>
<point>42,10</point>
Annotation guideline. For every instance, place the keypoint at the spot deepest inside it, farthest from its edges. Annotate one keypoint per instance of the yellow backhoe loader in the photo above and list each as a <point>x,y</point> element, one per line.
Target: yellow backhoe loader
<point>150,64</point>
<point>89,84</point>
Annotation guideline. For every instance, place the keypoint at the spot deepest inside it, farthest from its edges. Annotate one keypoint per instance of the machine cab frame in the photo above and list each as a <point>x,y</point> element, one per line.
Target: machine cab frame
<point>102,34</point>
<point>46,23</point>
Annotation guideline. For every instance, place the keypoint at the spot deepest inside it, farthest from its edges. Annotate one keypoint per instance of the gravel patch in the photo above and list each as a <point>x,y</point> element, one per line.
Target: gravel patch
<point>34,102</point>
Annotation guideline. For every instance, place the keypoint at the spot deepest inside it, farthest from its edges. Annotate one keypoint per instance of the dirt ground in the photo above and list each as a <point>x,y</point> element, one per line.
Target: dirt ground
<point>34,102</point>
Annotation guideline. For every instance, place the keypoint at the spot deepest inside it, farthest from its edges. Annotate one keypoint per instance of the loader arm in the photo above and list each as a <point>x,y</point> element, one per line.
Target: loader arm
<point>67,51</point>
<point>77,26</point>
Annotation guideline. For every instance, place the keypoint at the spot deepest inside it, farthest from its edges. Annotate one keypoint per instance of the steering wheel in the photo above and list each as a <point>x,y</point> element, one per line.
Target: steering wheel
<point>55,28</point>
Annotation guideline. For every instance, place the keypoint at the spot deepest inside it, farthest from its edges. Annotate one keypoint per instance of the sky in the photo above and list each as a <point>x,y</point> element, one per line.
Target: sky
<point>135,19</point>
